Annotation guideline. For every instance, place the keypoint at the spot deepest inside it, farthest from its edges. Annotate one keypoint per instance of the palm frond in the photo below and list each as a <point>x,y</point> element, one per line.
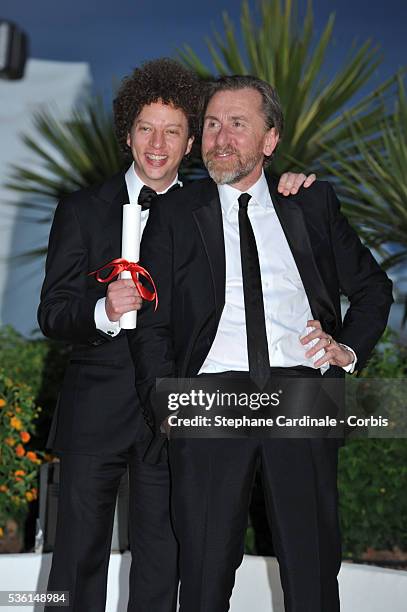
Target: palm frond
<point>286,52</point>
<point>374,182</point>
<point>73,154</point>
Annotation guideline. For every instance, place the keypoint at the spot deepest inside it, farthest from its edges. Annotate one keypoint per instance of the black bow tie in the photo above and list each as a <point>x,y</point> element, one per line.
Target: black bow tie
<point>147,195</point>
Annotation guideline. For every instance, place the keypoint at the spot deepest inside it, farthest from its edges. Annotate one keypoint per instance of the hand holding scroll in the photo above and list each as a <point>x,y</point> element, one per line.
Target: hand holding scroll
<point>122,296</point>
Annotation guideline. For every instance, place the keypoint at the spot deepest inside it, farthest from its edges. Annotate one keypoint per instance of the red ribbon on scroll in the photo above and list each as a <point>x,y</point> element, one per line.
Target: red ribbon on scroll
<point>120,265</point>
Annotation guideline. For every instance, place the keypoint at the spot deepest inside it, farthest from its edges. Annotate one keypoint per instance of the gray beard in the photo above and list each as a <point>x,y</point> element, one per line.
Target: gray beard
<point>226,177</point>
<point>232,176</point>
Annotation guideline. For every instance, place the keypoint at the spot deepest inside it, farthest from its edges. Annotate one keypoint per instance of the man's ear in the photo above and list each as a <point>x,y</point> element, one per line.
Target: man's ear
<point>270,141</point>
<point>128,140</point>
<point>189,145</point>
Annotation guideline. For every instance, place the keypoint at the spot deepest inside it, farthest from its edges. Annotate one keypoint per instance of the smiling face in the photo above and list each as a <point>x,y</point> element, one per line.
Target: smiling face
<point>235,138</point>
<point>158,141</point>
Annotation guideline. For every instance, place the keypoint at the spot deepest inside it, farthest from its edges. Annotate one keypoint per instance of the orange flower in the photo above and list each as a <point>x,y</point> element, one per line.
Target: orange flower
<point>17,409</point>
<point>19,473</point>
<point>25,436</point>
<point>16,423</point>
<point>1,532</point>
<point>34,493</point>
<point>10,441</point>
<point>32,456</point>
<point>20,452</point>
<point>2,402</point>
<point>3,488</point>
<point>29,496</point>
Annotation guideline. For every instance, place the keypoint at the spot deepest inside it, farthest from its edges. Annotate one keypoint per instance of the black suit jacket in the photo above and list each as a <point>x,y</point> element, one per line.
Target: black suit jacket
<point>183,249</point>
<point>98,409</point>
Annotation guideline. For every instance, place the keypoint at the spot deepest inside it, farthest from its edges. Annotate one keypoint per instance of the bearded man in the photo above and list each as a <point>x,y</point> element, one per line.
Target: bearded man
<point>241,273</point>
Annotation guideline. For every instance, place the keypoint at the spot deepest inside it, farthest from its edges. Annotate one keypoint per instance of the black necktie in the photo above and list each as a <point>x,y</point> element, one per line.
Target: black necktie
<point>147,194</point>
<point>257,348</point>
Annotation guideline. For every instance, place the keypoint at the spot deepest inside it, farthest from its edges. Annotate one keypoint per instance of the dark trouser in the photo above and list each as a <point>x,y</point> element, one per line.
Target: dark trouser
<point>88,492</point>
<point>211,487</point>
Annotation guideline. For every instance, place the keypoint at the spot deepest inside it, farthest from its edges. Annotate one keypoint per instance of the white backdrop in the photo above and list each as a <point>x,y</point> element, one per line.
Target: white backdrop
<point>47,84</point>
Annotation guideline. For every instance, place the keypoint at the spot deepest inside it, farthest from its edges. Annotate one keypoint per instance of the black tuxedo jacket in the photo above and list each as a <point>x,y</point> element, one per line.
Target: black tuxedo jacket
<point>98,410</point>
<point>183,249</point>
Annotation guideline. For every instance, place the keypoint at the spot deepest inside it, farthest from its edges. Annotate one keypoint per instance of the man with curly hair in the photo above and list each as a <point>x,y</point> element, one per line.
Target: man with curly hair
<point>98,430</point>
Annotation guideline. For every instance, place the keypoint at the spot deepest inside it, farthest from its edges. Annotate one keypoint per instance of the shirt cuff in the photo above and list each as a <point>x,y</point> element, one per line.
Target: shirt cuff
<point>351,367</point>
<point>111,328</point>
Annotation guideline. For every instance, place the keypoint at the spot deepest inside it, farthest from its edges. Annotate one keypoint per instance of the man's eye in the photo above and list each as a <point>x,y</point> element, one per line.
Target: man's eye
<point>237,124</point>
<point>172,132</point>
<point>144,128</point>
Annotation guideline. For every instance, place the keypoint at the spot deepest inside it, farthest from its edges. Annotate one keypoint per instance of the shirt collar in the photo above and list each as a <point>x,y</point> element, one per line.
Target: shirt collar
<point>134,184</point>
<point>259,191</point>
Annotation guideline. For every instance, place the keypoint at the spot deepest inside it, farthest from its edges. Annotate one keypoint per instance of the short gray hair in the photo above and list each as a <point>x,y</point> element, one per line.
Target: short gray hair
<point>271,106</point>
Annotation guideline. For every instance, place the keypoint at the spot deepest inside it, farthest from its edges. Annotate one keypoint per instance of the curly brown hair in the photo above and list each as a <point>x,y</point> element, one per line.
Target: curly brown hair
<point>162,80</point>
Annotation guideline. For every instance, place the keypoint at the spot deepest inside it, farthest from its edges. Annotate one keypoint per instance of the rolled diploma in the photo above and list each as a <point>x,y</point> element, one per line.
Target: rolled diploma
<point>131,252</point>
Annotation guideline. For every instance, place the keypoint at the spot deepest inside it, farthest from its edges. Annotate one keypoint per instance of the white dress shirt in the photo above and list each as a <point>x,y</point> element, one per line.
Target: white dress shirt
<point>286,305</point>
<point>134,185</point>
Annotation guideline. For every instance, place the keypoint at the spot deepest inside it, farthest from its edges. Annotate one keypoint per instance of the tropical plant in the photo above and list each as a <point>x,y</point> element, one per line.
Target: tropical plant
<point>374,183</point>
<point>72,154</point>
<point>284,50</point>
<point>320,121</point>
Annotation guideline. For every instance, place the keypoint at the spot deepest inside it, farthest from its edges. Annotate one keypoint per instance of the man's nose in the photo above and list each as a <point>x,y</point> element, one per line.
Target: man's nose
<point>157,139</point>
<point>222,137</point>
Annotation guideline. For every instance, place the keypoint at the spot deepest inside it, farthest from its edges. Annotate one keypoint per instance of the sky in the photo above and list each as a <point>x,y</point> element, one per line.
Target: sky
<point>115,36</point>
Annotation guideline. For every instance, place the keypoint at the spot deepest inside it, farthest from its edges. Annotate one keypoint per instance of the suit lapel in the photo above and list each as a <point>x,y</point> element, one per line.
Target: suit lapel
<point>113,195</point>
<point>208,218</point>
<point>295,228</point>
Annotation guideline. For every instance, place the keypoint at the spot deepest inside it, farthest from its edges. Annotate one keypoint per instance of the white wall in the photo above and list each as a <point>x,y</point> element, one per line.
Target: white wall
<point>58,86</point>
